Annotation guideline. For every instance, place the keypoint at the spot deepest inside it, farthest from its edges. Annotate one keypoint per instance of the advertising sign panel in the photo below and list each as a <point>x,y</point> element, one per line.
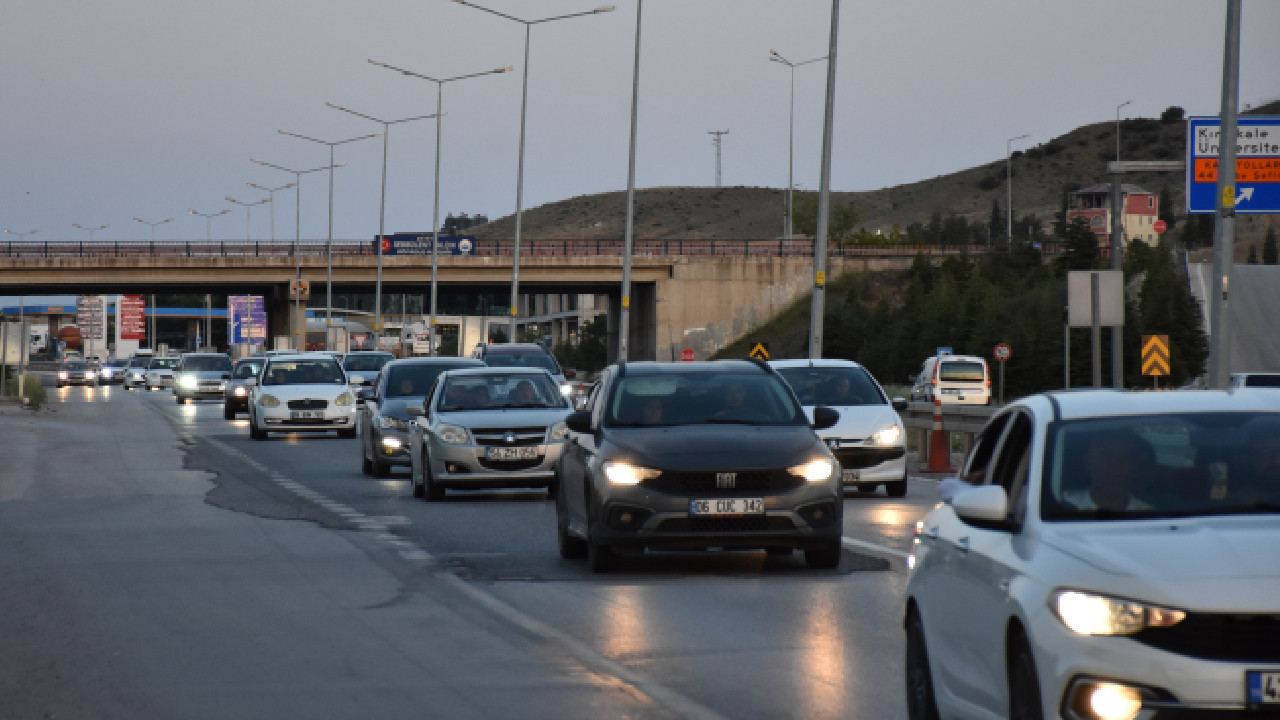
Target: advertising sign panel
<point>133,318</point>
<point>247,319</point>
<point>420,244</point>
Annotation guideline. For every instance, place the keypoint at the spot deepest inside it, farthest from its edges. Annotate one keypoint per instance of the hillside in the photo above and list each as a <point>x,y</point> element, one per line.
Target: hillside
<point>1042,175</point>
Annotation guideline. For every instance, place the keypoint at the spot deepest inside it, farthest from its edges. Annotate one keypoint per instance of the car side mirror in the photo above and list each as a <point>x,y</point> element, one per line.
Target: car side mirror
<point>251,382</point>
<point>579,421</point>
<point>824,417</point>
<point>982,505</point>
<point>900,404</point>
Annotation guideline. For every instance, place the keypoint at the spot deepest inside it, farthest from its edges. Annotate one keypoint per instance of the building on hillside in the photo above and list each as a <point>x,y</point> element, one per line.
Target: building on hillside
<point>1141,209</point>
<point>454,224</point>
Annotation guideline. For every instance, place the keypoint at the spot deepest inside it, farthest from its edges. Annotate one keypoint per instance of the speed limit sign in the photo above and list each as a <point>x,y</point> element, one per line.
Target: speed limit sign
<point>1002,352</point>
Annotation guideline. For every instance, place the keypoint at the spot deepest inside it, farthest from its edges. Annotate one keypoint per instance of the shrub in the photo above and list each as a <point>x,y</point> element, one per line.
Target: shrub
<point>35,391</point>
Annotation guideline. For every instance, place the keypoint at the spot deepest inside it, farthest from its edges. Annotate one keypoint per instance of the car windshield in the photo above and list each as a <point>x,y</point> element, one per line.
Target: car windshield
<point>369,361</point>
<point>698,397</point>
<point>1163,465</point>
<point>530,358</point>
<point>833,385</point>
<point>138,363</point>
<point>113,364</point>
<point>318,371</point>
<point>415,379</point>
<point>499,390</point>
<point>247,369</point>
<point>206,363</point>
<point>961,372</point>
<point>162,363</point>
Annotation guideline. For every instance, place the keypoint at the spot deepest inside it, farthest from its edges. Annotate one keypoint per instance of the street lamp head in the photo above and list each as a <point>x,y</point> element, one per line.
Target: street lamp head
<point>604,9</point>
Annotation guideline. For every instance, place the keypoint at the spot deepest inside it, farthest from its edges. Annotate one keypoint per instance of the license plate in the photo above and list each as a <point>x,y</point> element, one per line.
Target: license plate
<point>307,415</point>
<point>727,506</point>
<point>850,475</point>
<point>523,452</point>
<point>1264,687</point>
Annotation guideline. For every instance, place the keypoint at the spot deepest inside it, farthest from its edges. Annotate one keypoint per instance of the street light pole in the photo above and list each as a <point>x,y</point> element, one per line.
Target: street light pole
<point>435,205</point>
<point>817,308</point>
<point>628,236</point>
<point>25,347</point>
<point>300,320</point>
<point>208,220</point>
<point>328,247</point>
<point>93,230</point>
<point>1008,172</point>
<point>775,56</point>
<point>271,198</point>
<point>248,214</point>
<point>524,103</point>
<point>153,225</point>
<point>382,209</point>
<point>1126,102</point>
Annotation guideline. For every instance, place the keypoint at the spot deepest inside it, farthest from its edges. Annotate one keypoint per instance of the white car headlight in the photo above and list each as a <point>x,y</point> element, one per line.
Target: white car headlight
<point>566,389</point>
<point>621,472</point>
<point>62,374</point>
<point>390,423</point>
<point>393,443</point>
<point>886,436</point>
<point>814,470</point>
<point>1090,614</point>
<point>187,381</point>
<point>345,398</point>
<point>89,375</point>
<point>559,432</point>
<point>454,435</point>
<point>239,391</point>
<point>269,401</point>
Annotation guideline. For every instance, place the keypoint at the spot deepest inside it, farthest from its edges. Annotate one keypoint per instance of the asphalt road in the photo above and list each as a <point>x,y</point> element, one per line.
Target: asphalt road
<point>157,563</point>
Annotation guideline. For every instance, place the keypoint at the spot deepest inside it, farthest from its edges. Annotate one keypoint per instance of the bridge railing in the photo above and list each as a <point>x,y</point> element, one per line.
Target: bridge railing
<point>695,247</point>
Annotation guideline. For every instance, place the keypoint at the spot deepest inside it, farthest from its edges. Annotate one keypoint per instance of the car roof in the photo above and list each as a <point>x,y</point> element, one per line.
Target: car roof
<point>401,362</point>
<point>707,367</point>
<point>486,370</point>
<point>301,356</point>
<point>815,362</point>
<point>514,347</point>
<point>364,352</point>
<point>1071,405</point>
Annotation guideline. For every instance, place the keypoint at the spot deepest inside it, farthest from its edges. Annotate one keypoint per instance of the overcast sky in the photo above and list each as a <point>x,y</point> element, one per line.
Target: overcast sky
<point>145,108</point>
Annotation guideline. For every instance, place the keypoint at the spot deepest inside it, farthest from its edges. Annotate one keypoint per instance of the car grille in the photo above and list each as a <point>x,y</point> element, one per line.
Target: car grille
<point>858,458</point>
<point>308,404</point>
<point>498,436</point>
<point>753,524</point>
<point>510,464</point>
<point>1209,636</point>
<point>678,482</point>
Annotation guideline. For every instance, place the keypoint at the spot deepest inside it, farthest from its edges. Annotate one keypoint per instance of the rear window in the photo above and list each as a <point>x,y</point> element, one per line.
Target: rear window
<point>416,380</point>
<point>207,363</point>
<point>962,372</point>
<point>365,362</point>
<point>532,358</point>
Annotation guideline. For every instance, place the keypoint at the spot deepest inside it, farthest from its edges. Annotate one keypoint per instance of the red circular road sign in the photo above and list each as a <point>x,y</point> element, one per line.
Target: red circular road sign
<point>1160,226</point>
<point>1003,352</point>
<point>686,355</point>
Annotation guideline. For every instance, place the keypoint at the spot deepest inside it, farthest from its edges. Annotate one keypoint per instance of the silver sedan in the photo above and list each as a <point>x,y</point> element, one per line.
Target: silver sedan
<point>488,428</point>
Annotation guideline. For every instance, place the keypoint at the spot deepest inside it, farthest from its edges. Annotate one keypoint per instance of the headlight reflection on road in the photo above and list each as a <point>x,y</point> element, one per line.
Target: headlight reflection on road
<point>823,673</point>
<point>625,630</point>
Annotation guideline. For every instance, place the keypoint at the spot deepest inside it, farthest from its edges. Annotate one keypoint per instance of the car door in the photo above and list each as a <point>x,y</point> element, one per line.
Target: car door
<point>985,565</point>
<point>940,572</point>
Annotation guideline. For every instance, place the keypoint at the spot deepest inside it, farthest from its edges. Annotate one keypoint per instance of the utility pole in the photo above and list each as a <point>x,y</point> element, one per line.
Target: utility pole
<point>716,141</point>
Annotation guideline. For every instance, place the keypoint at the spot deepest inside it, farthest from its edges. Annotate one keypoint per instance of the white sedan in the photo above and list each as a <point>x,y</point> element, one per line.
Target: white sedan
<point>1117,560</point>
<point>301,393</point>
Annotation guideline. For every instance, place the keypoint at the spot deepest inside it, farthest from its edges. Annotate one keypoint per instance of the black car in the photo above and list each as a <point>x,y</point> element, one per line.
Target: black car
<point>695,456</point>
<point>76,372</point>
<point>383,419</point>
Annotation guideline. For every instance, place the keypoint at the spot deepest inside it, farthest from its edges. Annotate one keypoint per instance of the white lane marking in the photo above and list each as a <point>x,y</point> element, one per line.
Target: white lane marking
<point>392,519</point>
<point>681,705</point>
<point>862,545</point>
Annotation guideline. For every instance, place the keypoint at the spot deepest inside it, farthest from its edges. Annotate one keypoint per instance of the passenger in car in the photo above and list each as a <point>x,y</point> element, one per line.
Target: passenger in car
<point>651,413</point>
<point>1115,461</point>
<point>478,397</point>
<point>456,397</point>
<point>524,394</point>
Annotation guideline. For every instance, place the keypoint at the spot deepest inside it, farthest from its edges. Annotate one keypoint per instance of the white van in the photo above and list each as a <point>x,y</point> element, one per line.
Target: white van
<point>955,379</point>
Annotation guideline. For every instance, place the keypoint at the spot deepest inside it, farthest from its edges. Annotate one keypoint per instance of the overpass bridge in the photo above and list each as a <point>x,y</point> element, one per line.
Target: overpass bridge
<point>698,294</point>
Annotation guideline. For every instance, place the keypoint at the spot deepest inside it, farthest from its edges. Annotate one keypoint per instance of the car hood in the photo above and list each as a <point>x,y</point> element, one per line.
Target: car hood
<point>857,422</point>
<point>506,417</point>
<point>318,391</point>
<point>708,447</point>
<point>1194,562</point>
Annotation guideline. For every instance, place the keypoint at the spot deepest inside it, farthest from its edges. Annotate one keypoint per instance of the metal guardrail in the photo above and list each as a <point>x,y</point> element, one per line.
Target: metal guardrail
<point>964,420</point>
<point>483,248</point>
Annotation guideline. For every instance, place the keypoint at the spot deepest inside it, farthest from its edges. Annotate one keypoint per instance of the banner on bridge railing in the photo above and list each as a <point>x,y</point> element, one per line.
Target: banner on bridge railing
<point>421,244</point>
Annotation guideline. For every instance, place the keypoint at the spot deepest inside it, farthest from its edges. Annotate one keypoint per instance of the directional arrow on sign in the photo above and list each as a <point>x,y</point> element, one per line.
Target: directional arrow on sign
<point>1155,355</point>
<point>1245,194</point>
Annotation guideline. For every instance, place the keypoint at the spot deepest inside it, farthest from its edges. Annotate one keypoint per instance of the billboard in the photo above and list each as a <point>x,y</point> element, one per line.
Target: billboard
<point>420,244</point>
<point>133,318</point>
<point>1257,187</point>
<point>246,319</point>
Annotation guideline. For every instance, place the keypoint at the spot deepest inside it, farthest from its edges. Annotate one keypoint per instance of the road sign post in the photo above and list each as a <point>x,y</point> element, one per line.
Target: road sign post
<point>1002,353</point>
<point>1155,357</point>
<point>686,355</point>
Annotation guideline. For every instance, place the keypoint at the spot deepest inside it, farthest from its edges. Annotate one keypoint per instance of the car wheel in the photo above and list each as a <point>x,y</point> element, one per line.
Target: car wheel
<point>1024,685</point>
<point>571,548</point>
<point>430,490</point>
<point>366,465</point>
<point>228,412</point>
<point>921,704</point>
<point>897,489</point>
<point>600,557</point>
<point>823,558</point>
<point>415,480</point>
<point>347,433</point>
<point>381,469</point>
<point>179,399</point>
<point>254,431</point>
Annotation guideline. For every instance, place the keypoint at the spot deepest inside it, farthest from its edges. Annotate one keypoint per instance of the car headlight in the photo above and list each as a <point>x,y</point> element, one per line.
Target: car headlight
<point>885,436</point>
<point>89,375</point>
<point>814,470</point>
<point>1090,614</point>
<point>62,374</point>
<point>390,423</point>
<point>187,381</point>
<point>559,432</point>
<point>566,389</point>
<point>392,443</point>
<point>345,398</point>
<point>269,401</point>
<point>621,472</point>
<point>454,435</point>
<point>239,391</point>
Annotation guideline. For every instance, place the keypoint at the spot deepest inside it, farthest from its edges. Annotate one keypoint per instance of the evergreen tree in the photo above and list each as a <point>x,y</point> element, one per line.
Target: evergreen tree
<point>1081,247</point>
<point>999,228</point>
<point>1165,199</point>
<point>1269,247</point>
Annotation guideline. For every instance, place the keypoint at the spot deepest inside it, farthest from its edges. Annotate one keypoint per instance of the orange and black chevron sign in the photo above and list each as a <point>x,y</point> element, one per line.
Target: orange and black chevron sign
<point>1155,355</point>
